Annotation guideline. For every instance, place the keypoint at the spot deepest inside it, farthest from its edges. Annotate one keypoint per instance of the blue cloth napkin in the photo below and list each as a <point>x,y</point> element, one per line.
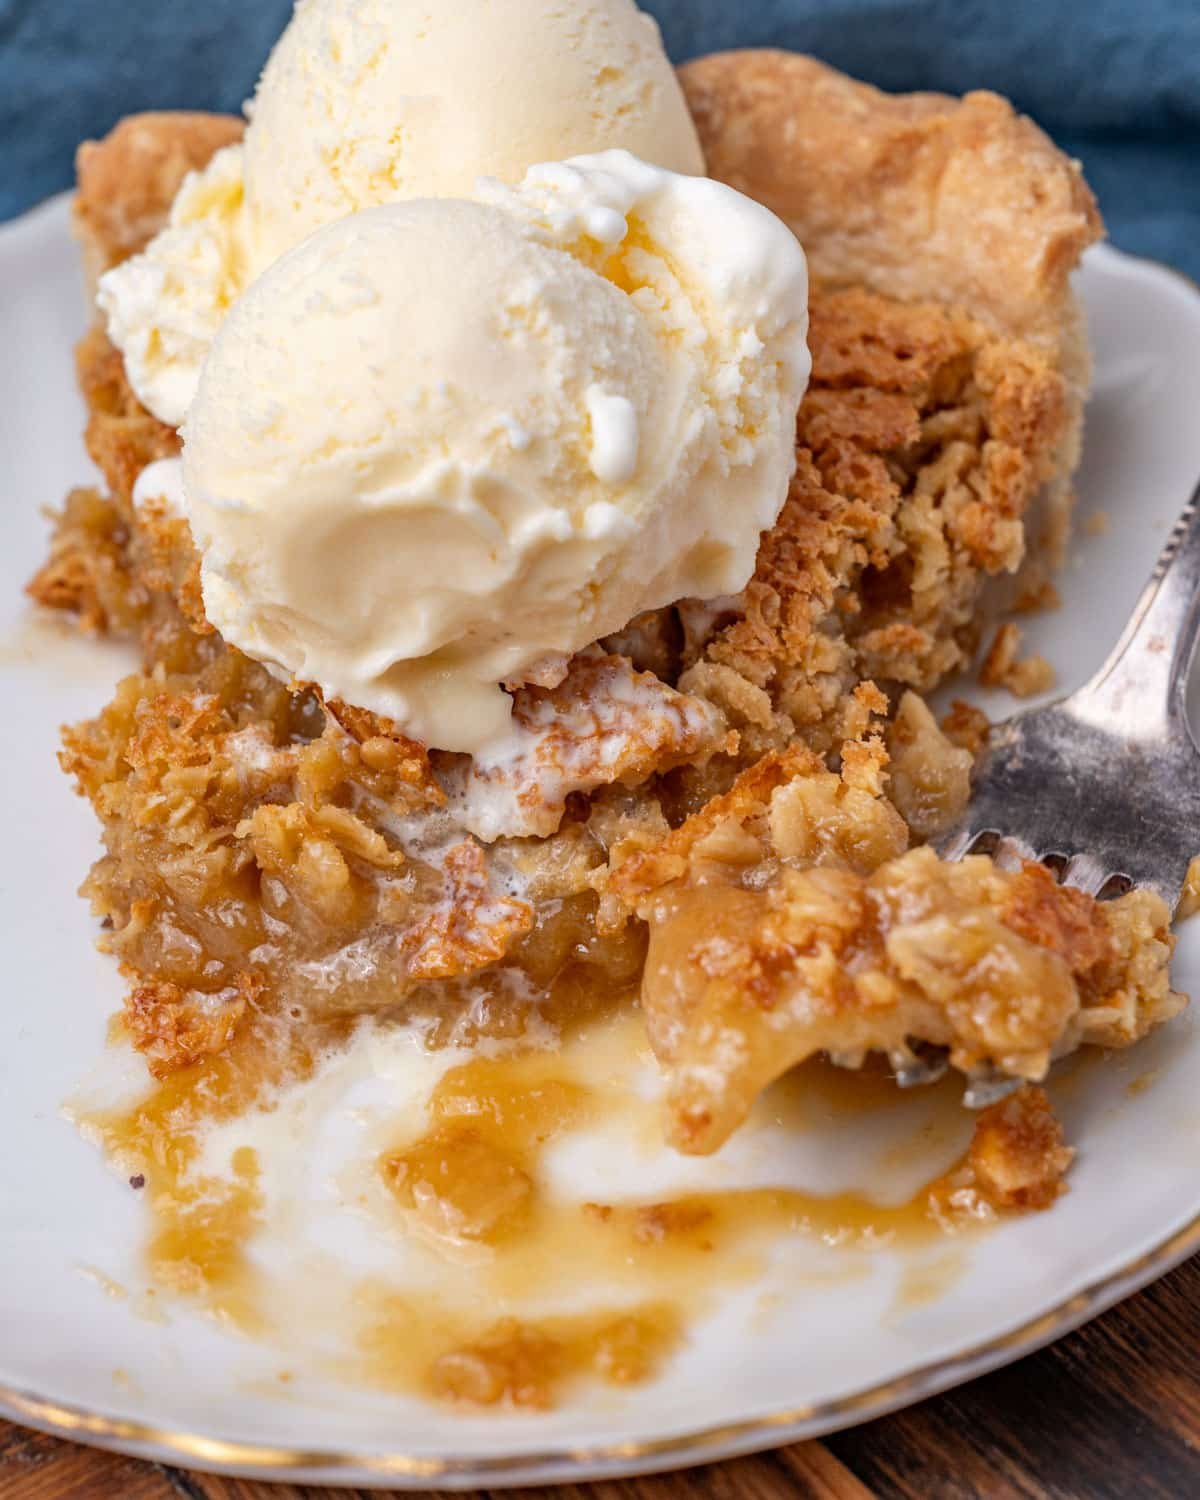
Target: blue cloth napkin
<point>1115,82</point>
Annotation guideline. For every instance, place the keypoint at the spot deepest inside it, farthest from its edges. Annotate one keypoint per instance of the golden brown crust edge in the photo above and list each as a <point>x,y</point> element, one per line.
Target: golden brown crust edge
<point>128,180</point>
<point>919,196</point>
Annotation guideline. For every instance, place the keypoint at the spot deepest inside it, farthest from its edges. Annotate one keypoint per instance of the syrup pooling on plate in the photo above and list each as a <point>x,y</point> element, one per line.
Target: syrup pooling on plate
<point>472,1187</point>
<point>201,1222</point>
<point>509,1362</point>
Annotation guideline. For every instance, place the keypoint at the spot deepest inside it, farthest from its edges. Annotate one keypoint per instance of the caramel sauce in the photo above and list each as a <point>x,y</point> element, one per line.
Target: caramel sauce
<point>202,1222</point>
<point>517,1362</point>
<point>475,1176</point>
<point>475,1182</point>
<point>472,1176</point>
<point>478,1176</point>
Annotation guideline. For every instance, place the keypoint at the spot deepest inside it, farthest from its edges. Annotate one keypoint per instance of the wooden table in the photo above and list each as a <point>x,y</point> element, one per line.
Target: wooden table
<point>1109,1413</point>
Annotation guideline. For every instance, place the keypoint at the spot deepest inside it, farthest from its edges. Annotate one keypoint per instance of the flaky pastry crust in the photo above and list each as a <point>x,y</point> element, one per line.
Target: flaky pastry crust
<point>919,196</point>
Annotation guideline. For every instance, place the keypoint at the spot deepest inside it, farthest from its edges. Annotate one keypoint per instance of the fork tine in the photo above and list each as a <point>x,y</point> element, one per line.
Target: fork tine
<point>959,843</point>
<point>1012,852</point>
<point>1086,873</point>
<point>989,1089</point>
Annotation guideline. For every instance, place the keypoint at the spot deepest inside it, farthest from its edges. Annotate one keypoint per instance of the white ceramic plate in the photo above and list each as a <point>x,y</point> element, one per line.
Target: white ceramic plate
<point>818,1338</point>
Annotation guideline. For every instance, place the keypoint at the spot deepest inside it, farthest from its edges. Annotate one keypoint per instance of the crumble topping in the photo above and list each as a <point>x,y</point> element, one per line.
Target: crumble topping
<point>766,947</point>
<point>1024,677</point>
<point>1018,1156</point>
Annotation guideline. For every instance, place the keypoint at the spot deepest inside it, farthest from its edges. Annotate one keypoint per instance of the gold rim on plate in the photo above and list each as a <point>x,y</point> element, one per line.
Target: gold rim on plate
<point>705,1445</point>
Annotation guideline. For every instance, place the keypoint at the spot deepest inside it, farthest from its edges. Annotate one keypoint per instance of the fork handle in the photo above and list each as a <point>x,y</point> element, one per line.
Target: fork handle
<point>1142,687</point>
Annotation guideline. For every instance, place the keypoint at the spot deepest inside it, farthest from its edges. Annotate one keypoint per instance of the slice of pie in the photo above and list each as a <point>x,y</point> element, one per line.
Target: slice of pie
<point>722,807</point>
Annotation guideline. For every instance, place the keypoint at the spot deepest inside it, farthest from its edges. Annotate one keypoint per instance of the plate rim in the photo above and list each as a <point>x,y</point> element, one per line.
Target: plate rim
<point>607,1460</point>
<point>197,1450</point>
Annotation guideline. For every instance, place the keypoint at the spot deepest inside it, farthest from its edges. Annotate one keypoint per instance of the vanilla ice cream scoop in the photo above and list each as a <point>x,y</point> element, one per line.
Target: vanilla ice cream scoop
<point>443,443</point>
<point>385,99</point>
<point>365,102</point>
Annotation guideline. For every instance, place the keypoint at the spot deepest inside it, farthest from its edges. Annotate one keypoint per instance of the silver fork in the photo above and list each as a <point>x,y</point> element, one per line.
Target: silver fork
<point>1104,785</point>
